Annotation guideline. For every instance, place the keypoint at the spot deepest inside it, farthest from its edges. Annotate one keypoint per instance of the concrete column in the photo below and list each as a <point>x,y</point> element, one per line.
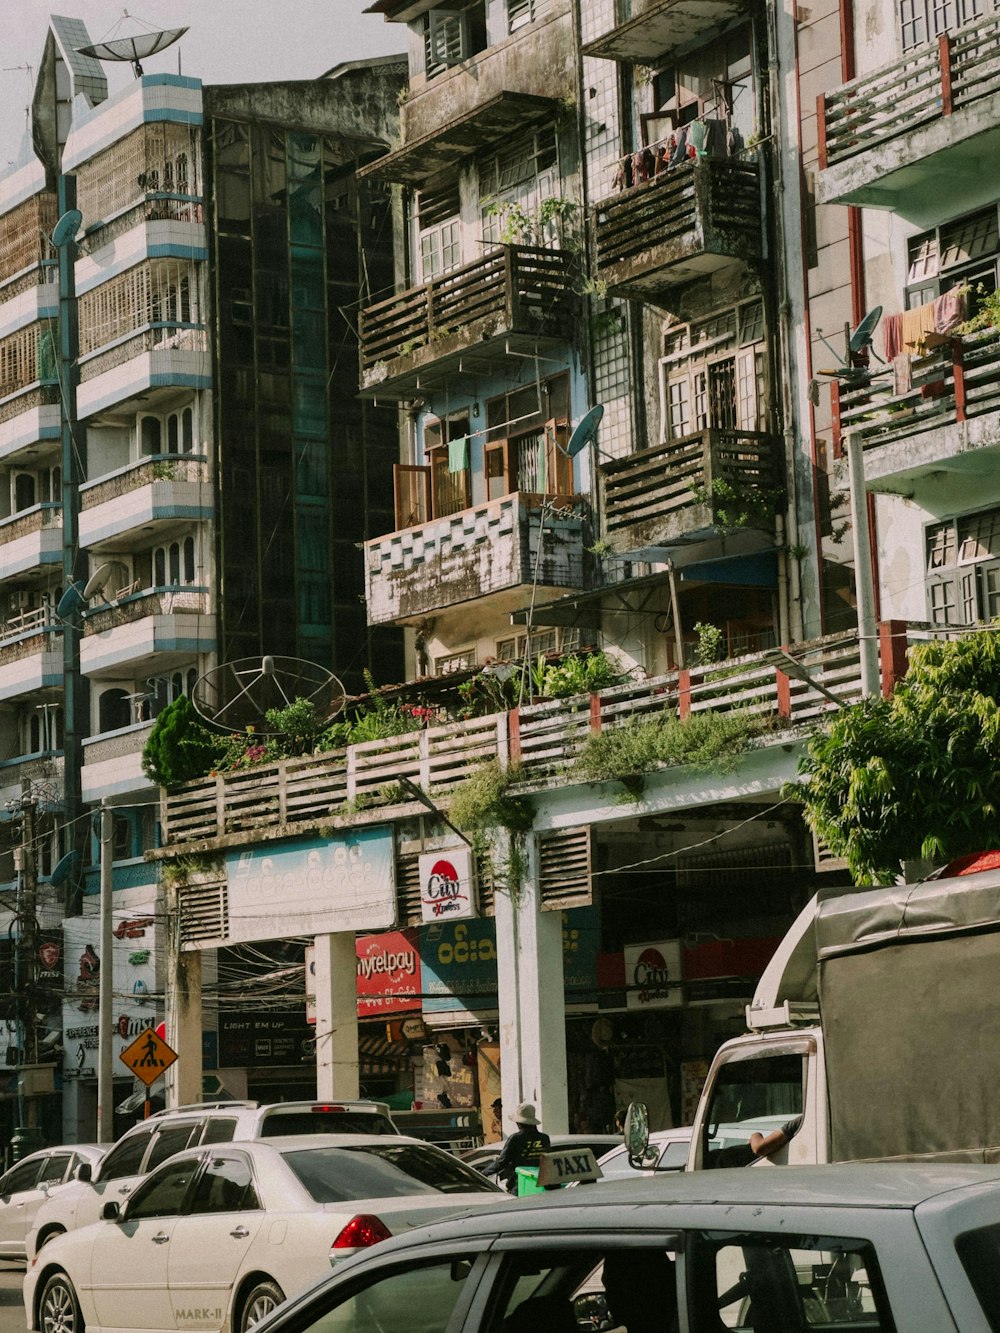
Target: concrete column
<point>532,1001</point>
<point>337,1017</point>
<point>183,1019</point>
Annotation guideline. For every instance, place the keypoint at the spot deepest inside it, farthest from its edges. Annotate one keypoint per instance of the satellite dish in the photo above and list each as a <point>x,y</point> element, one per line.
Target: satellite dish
<point>67,227</point>
<point>133,49</point>
<point>238,695</point>
<point>861,338</point>
<point>71,601</point>
<point>585,432</point>
<point>64,868</point>
<point>99,580</point>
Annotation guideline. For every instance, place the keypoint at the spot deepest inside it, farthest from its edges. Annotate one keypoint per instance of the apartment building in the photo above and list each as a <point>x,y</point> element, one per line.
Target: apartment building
<point>187,469</point>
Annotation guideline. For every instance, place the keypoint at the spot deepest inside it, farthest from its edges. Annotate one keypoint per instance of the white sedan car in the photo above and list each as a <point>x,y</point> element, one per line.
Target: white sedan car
<point>25,1187</point>
<point>216,1237</point>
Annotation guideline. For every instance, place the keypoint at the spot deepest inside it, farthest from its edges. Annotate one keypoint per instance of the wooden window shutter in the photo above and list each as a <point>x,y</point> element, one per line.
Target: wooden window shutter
<point>564,866</point>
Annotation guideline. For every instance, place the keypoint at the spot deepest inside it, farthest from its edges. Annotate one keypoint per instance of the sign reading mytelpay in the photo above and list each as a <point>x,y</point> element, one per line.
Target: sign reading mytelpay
<point>313,888</point>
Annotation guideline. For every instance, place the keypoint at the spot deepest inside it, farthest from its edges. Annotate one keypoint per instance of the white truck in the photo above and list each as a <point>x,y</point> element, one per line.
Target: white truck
<point>874,1032</point>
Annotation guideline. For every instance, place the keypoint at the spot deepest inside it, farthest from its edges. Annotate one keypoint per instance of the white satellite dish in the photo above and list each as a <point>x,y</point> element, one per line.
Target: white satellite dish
<point>67,227</point>
<point>99,580</point>
<point>133,49</point>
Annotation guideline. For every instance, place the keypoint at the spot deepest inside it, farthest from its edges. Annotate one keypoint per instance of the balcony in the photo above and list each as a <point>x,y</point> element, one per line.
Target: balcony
<point>31,654</point>
<point>946,422</point>
<point>694,219</point>
<point>162,492</point>
<point>693,489</point>
<point>24,248</point>
<point>140,362</point>
<point>161,628</point>
<point>31,541</point>
<point>514,299</point>
<point>112,763</point>
<point>288,797</point>
<point>920,136</point>
<point>490,550</point>
<point>648,30</point>
<point>28,417</point>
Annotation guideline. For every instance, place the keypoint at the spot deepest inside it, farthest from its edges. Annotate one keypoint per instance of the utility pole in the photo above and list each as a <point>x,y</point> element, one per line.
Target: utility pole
<point>105,1036</point>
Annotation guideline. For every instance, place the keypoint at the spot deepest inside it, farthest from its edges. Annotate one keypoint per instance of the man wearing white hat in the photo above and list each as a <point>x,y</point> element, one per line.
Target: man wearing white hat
<point>524,1147</point>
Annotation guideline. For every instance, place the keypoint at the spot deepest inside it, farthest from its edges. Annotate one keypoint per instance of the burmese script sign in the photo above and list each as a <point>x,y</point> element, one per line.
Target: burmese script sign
<point>316,887</point>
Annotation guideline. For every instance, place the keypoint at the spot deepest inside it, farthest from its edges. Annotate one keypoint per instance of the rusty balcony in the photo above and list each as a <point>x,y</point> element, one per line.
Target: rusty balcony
<point>692,489</point>
<point>490,550</point>
<point>698,217</point>
<point>920,136</point>
<point>513,299</point>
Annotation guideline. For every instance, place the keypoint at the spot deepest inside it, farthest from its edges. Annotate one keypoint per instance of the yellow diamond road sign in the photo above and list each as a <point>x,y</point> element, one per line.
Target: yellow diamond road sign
<point>148,1056</point>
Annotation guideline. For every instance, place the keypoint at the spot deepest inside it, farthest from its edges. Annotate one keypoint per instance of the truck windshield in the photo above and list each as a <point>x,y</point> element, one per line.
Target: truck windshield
<point>760,1095</point>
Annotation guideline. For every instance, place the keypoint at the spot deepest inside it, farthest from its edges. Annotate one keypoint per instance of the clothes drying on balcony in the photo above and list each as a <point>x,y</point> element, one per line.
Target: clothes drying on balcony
<point>458,454</point>
<point>906,333</point>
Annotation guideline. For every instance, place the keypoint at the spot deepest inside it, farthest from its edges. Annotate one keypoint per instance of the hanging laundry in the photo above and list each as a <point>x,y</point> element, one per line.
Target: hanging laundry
<point>680,146</point>
<point>660,163</point>
<point>892,332</point>
<point>734,142</point>
<point>949,310</point>
<point>715,138</point>
<point>916,324</point>
<point>458,454</point>
<point>699,134</point>
<point>902,374</point>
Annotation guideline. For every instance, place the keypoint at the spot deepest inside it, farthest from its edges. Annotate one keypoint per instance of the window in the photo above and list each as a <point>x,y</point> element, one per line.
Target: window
<point>125,1158</point>
<point>175,1138</point>
<point>713,374</point>
<point>174,564</point>
<point>785,1282</point>
<point>453,33</point>
<point>522,172</point>
<point>713,85</point>
<point>19,1178</point>
<point>54,1169</point>
<point>460,661</point>
<point>226,1186</point>
<point>419,1298</point>
<point>438,231</point>
<point>519,14</point>
<point>962,569</point>
<point>527,430</point>
<point>446,446</point>
<point>749,1095</point>
<point>965,251</point>
<point>164,1194</point>
<point>920,20</point>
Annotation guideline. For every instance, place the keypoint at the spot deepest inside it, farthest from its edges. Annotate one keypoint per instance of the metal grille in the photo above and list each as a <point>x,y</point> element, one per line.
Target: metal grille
<point>564,863</point>
<point>23,233</point>
<point>162,293</point>
<point>203,910</point>
<point>157,159</point>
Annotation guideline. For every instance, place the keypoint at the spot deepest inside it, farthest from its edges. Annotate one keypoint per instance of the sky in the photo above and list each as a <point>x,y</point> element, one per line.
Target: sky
<point>229,41</point>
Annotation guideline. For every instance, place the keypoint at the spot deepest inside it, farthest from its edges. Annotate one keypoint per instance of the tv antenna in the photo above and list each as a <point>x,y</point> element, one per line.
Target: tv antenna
<point>135,48</point>
<point>237,696</point>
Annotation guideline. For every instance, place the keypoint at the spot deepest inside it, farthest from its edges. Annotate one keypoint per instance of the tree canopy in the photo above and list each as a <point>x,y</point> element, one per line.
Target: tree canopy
<point>917,774</point>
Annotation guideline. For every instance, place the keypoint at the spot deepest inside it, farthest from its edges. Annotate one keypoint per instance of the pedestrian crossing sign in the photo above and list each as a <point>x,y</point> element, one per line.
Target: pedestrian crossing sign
<point>148,1056</point>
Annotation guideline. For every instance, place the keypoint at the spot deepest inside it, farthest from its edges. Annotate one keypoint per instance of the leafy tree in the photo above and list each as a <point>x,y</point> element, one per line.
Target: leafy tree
<point>915,775</point>
<point>179,747</point>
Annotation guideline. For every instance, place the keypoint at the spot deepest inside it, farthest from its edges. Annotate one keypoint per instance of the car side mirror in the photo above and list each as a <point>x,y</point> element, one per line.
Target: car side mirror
<point>84,1172</point>
<point>111,1212</point>
<point>636,1133</point>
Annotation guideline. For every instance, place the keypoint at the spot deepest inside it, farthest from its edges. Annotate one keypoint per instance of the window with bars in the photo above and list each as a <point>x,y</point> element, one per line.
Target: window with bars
<point>161,295</point>
<point>527,430</point>
<point>446,446</point>
<point>965,251</point>
<point>713,374</point>
<point>962,569</point>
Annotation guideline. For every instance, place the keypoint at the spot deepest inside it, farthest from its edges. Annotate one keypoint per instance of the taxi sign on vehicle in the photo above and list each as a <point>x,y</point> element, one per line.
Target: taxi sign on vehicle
<point>148,1056</point>
<point>566,1164</point>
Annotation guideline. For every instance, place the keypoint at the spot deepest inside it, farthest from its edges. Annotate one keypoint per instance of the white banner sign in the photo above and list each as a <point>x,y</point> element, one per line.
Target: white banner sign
<point>447,885</point>
<point>653,975</point>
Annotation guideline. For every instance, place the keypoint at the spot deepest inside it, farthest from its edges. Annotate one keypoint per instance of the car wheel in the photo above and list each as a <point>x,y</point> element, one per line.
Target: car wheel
<point>59,1310</point>
<point>260,1301</point>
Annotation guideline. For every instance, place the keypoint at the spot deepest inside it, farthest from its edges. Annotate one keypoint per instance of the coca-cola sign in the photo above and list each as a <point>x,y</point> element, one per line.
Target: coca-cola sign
<point>447,888</point>
<point>653,975</point>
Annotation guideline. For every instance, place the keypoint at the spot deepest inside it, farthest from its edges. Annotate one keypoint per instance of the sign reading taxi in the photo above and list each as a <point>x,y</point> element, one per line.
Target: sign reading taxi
<point>148,1056</point>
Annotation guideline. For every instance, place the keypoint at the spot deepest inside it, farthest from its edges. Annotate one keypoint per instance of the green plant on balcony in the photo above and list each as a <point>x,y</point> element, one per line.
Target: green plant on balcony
<point>741,507</point>
<point>707,742</point>
<point>485,804</point>
<point>575,675</point>
<point>375,718</point>
<point>987,314</point>
<point>517,225</point>
<point>180,747</point>
<point>711,647</point>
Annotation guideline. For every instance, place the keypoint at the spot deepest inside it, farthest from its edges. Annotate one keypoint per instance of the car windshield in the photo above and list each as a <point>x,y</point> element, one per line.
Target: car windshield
<point>324,1121</point>
<point>335,1175</point>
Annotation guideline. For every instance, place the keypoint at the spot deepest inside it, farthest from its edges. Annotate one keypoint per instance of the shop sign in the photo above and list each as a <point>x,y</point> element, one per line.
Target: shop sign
<point>459,966</point>
<point>316,887</point>
<point>264,1040</point>
<point>653,975</point>
<point>388,974</point>
<point>581,931</point>
<point>447,885</point>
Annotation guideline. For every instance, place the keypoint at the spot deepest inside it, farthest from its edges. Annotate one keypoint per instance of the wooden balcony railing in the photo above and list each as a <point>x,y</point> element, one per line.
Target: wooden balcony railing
<point>543,737</point>
<point>932,80</point>
<point>710,206</point>
<point>953,382</point>
<point>668,491</point>
<point>513,288</point>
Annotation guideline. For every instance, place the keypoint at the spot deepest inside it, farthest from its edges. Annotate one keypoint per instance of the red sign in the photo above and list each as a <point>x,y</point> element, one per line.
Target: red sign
<point>388,974</point>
